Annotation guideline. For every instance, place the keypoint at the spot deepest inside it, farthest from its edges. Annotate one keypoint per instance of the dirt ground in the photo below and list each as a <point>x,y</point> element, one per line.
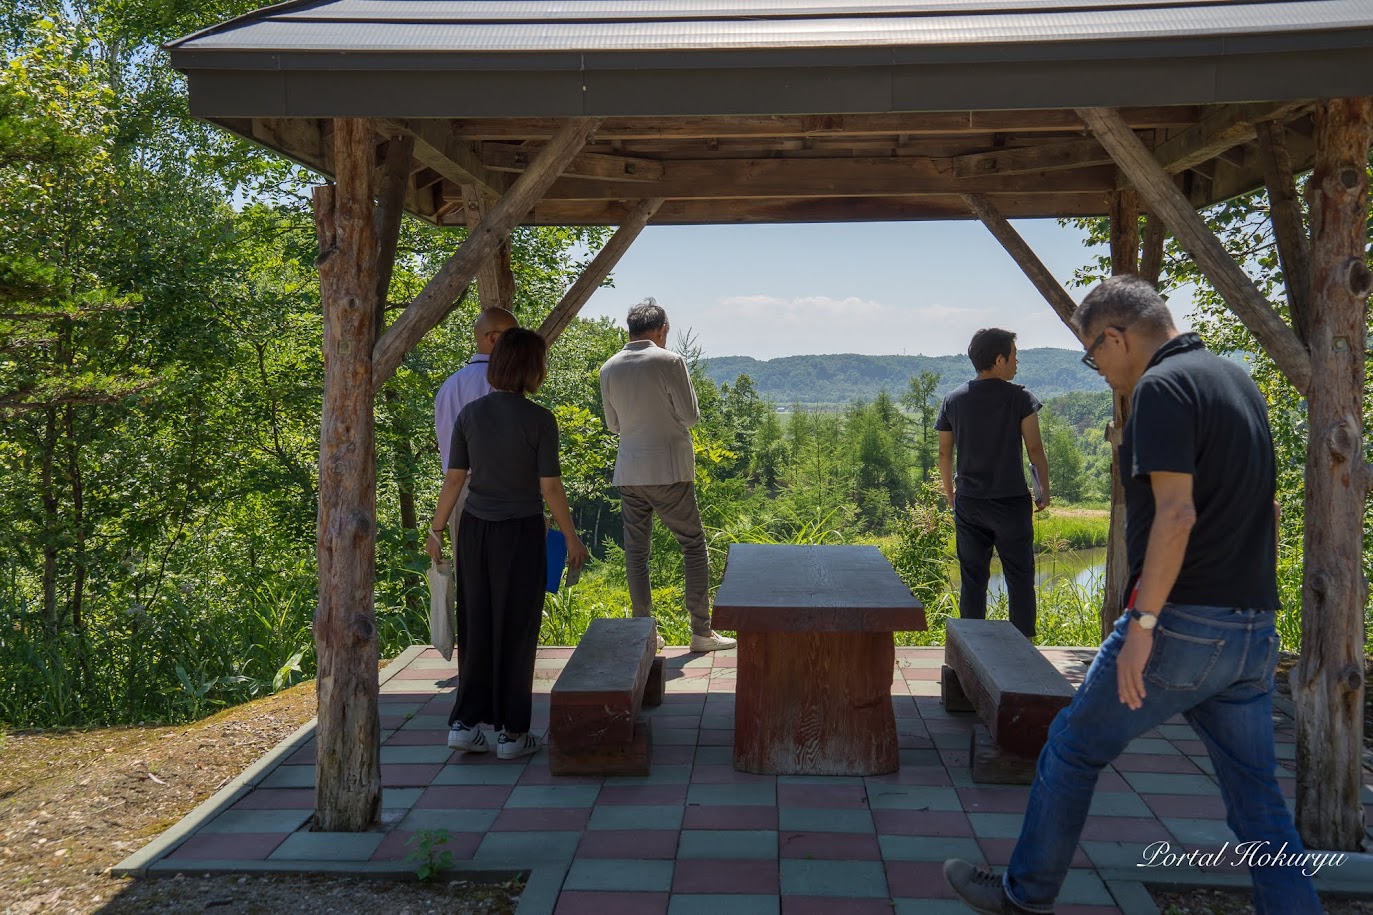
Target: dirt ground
<point>75,803</point>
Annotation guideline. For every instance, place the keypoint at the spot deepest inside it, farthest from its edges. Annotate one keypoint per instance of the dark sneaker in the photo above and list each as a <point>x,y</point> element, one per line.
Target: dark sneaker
<point>468,740</point>
<point>980,888</point>
<point>515,746</point>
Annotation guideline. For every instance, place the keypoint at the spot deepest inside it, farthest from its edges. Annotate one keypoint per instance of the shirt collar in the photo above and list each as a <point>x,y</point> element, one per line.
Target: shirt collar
<point>479,357</point>
<point>639,344</point>
<point>1182,343</point>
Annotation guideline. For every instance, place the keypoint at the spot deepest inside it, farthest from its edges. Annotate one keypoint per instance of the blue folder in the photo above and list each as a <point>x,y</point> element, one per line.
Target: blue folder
<point>556,547</point>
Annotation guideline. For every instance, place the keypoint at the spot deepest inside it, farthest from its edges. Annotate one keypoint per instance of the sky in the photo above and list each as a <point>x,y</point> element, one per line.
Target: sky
<point>872,288</point>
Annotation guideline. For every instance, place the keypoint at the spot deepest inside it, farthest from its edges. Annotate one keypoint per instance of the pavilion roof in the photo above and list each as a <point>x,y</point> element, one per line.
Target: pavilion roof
<point>785,110</point>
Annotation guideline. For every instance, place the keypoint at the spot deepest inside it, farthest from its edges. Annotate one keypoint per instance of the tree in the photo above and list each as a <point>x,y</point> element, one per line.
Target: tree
<point>919,400</point>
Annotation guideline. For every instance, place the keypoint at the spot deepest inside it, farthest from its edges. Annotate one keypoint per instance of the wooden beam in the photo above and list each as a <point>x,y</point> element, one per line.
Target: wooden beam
<point>392,186</point>
<point>495,278</point>
<point>599,268</point>
<point>1284,208</point>
<point>1058,299</point>
<point>1238,290</point>
<point>437,297</point>
<point>1220,130</point>
<point>504,157</point>
<point>440,148</point>
<point>948,123</point>
<point>348,749</point>
<point>1069,154</point>
<point>1151,257</point>
<point>1328,685</point>
<point>883,176</point>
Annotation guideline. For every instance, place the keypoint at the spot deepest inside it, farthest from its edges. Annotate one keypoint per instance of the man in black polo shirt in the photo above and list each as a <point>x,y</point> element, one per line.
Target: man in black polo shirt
<point>1197,637</point>
<point>983,423</point>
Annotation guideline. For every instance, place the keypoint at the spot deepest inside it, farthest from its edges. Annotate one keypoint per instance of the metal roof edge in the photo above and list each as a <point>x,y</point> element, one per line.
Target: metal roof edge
<point>261,12</point>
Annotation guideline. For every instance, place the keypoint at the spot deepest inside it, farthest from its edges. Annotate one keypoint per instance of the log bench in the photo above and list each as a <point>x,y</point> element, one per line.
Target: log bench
<point>992,669</point>
<point>816,654</point>
<point>594,726</point>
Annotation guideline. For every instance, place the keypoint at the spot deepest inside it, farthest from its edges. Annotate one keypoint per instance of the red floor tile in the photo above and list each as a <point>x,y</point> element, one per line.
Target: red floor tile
<point>575,902</point>
<point>672,756</point>
<point>715,737</point>
<point>821,795</point>
<point>229,846</point>
<point>700,817</point>
<point>676,721</point>
<point>653,844</point>
<point>921,823</point>
<point>934,776</point>
<point>1125,829</point>
<point>416,775</point>
<point>727,775</point>
<point>994,800</point>
<point>917,880</point>
<point>535,774</point>
<point>834,905</point>
<point>997,853</point>
<point>1112,781</point>
<point>1192,806</point>
<point>702,875</point>
<point>407,737</point>
<point>305,756</point>
<point>642,795</point>
<point>1155,762</point>
<point>277,799</point>
<point>830,846</point>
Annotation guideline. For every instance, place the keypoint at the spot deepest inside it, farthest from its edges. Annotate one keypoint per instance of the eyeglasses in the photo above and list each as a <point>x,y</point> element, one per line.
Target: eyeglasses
<point>1087,358</point>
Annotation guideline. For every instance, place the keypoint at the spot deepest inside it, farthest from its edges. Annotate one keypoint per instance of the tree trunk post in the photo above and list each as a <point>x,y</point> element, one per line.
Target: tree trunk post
<point>495,277</point>
<point>1124,210</point>
<point>1328,683</point>
<point>1284,208</point>
<point>348,747</point>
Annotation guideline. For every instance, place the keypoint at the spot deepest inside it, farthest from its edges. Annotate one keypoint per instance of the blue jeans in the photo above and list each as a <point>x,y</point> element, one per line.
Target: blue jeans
<point>1213,665</point>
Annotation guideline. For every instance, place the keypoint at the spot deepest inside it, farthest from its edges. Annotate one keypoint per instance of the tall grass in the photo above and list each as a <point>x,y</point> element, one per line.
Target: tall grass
<point>1057,530</point>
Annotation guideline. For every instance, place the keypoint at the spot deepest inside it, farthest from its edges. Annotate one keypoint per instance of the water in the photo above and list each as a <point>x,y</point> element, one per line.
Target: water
<point>1078,566</point>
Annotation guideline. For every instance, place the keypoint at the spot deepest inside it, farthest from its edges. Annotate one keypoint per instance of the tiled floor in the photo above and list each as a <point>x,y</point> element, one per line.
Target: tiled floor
<point>697,836</point>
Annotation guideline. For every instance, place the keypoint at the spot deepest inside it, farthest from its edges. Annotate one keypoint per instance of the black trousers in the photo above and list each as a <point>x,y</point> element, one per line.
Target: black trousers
<point>500,577</point>
<point>1008,525</point>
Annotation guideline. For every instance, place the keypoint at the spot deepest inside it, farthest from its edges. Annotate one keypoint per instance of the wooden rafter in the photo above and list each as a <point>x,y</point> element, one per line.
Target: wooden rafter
<point>504,157</point>
<point>453,157</point>
<point>1284,207</point>
<point>1219,131</point>
<point>1238,290</point>
<point>1066,154</point>
<point>433,302</point>
<point>599,268</point>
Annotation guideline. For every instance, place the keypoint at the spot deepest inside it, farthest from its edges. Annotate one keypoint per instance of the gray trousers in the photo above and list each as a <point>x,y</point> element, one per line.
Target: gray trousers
<point>675,503</point>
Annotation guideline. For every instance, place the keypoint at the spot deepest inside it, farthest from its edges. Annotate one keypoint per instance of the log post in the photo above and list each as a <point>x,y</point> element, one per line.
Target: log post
<point>1284,206</point>
<point>1328,683</point>
<point>1151,258</point>
<point>1124,233</point>
<point>495,278</point>
<point>1162,196</point>
<point>348,751</point>
<point>437,297</point>
<point>599,268</point>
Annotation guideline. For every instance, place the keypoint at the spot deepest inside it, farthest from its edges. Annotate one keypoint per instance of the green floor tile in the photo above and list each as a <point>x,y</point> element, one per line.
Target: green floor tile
<point>1083,887</point>
<point>1116,855</point>
<point>759,795</point>
<point>451,820</point>
<point>856,781</point>
<point>258,821</point>
<point>478,775</point>
<point>522,849</point>
<point>289,777</point>
<point>1176,732</point>
<point>328,846</point>
<point>929,848</point>
<point>391,756</point>
<point>609,874</point>
<point>427,723</point>
<point>833,878</point>
<point>922,758</point>
<point>1118,804</point>
<point>816,819</point>
<point>399,798</point>
<point>928,907</point>
<point>912,797</point>
<point>658,775</point>
<point>634,817</point>
<point>1167,783</point>
<point>714,756</point>
<point>526,796</point>
<point>996,825</point>
<point>728,843</point>
<point>719,904</point>
<point>1194,833</point>
<point>1150,745</point>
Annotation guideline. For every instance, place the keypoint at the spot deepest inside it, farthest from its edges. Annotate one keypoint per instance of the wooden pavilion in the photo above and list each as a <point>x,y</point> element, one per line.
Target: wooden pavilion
<point>499,113</point>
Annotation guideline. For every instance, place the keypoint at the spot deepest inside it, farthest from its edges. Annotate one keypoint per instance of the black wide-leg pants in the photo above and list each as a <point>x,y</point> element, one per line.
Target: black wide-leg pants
<point>501,569</point>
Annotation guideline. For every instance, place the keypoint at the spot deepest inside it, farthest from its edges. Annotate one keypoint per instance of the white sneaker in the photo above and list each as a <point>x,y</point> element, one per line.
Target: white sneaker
<point>661,643</point>
<point>515,746</point>
<point>468,740</point>
<point>712,641</point>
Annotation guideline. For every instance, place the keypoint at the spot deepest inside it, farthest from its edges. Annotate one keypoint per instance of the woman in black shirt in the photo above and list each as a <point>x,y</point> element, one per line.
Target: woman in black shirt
<point>501,561</point>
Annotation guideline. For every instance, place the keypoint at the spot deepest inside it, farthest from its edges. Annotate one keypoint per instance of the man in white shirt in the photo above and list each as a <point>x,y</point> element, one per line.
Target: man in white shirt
<point>651,404</point>
<point>464,386</point>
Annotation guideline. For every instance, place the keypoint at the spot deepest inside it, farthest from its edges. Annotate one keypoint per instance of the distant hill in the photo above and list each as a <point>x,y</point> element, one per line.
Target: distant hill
<point>841,378</point>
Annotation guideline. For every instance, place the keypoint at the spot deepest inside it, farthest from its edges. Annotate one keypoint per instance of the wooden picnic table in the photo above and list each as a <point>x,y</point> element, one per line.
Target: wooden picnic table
<point>816,656</point>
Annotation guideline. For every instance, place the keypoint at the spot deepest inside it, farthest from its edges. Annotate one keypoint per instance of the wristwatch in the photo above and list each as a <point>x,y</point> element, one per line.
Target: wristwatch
<point>1145,620</point>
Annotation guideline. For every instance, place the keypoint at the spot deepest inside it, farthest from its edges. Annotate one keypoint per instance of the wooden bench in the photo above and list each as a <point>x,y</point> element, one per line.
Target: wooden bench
<point>992,669</point>
<point>816,654</point>
<point>594,726</point>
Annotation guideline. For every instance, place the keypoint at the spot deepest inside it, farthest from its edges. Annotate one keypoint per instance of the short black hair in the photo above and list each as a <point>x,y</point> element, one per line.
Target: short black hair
<point>987,344</point>
<point>646,317</point>
<point>1121,301</point>
<point>519,361</point>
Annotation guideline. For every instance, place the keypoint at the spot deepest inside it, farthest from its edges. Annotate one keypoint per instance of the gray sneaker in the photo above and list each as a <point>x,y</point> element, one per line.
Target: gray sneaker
<point>980,888</point>
<point>712,641</point>
<point>468,740</point>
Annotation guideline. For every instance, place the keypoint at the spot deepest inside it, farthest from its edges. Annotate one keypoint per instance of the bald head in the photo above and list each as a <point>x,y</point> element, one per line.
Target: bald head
<point>490,324</point>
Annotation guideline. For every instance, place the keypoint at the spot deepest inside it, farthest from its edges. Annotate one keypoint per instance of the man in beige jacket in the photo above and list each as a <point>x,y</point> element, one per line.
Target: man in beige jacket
<point>651,405</point>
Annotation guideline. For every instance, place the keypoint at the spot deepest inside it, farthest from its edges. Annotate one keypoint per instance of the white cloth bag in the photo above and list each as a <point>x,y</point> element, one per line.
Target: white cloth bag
<point>441,607</point>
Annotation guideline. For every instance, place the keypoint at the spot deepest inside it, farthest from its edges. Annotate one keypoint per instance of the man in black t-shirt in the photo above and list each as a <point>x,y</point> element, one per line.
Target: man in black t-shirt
<point>983,423</point>
<point>1197,638</point>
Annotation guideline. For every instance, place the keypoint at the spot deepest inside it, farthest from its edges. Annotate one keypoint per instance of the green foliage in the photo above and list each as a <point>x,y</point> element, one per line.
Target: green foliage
<point>429,858</point>
<point>1060,530</point>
